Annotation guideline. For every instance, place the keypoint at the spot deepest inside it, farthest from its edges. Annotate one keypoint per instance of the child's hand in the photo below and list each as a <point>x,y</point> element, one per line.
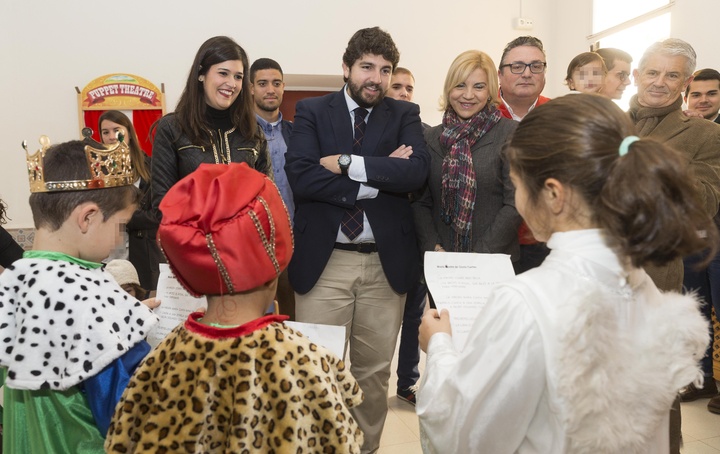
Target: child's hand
<point>433,322</point>
<point>152,303</point>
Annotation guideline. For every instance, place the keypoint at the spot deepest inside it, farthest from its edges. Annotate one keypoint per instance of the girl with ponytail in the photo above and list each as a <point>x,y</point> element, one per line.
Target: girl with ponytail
<point>558,355</point>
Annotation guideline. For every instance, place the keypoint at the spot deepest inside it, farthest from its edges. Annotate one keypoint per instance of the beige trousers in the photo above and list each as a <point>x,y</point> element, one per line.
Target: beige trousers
<point>353,292</point>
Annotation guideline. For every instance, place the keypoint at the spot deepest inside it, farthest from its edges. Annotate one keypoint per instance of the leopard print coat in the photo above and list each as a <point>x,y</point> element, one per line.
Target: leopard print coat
<point>265,389</point>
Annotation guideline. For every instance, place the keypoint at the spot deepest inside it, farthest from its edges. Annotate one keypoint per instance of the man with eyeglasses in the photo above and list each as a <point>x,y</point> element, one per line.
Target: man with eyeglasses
<point>522,77</point>
<point>618,77</point>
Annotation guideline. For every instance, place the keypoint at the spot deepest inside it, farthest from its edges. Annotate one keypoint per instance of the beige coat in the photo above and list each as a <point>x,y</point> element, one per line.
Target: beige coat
<point>699,141</point>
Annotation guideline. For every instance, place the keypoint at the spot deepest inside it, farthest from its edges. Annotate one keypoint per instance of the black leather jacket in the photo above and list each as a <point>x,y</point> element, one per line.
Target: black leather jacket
<point>174,156</point>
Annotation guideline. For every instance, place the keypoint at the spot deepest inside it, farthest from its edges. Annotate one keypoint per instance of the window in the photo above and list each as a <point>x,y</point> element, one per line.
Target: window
<point>632,27</point>
<point>609,13</point>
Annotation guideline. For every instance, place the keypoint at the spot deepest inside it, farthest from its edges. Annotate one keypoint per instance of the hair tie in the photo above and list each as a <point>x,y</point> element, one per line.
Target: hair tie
<point>625,144</point>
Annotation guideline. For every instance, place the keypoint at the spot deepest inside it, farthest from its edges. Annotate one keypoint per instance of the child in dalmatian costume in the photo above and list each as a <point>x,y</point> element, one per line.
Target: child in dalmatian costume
<point>71,336</point>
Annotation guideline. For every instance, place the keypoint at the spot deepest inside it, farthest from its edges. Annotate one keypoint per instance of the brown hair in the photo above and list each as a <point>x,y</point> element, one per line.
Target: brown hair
<point>703,74</point>
<point>66,162</point>
<point>583,59</point>
<point>610,55</point>
<point>136,154</point>
<point>371,41</point>
<point>644,200</point>
<point>401,70</point>
<point>191,110</point>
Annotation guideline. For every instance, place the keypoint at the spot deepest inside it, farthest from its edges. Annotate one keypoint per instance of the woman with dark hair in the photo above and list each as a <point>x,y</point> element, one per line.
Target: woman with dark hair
<point>557,355</point>
<point>214,121</point>
<point>143,251</point>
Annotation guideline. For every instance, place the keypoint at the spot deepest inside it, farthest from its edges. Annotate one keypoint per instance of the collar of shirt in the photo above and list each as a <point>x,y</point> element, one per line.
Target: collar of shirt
<point>512,114</point>
<point>266,125</point>
<point>59,256</point>
<point>352,105</point>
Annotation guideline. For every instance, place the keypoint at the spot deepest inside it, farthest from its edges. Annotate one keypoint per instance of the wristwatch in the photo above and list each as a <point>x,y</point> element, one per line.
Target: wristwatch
<point>344,163</point>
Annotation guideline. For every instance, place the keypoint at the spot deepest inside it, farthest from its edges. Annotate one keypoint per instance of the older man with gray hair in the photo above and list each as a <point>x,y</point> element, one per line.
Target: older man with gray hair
<point>665,71</point>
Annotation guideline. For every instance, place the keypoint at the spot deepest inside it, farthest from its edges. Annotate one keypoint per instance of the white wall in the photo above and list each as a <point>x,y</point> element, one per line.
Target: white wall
<point>696,21</point>
<point>48,48</point>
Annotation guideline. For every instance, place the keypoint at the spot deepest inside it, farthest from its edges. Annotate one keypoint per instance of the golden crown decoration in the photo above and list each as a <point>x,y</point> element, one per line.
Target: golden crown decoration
<point>109,167</point>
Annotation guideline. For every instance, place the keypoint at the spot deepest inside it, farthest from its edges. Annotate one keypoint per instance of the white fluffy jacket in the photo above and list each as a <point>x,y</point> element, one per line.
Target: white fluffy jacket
<point>581,355</point>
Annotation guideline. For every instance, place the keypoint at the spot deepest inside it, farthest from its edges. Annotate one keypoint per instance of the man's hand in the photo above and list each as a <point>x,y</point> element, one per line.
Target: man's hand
<point>331,163</point>
<point>403,152</point>
<point>433,322</point>
<point>693,114</point>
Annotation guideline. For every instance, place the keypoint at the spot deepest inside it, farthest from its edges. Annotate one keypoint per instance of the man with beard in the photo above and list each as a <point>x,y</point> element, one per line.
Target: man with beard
<point>703,96</point>
<point>665,71</point>
<point>267,88</point>
<point>266,77</point>
<point>353,157</point>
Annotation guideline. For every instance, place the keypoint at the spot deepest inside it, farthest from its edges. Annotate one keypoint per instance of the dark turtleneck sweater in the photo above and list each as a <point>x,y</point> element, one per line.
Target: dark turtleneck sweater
<point>219,119</point>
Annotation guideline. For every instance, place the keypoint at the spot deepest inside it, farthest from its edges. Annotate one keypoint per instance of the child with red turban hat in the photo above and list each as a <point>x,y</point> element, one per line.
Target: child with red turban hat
<point>232,379</point>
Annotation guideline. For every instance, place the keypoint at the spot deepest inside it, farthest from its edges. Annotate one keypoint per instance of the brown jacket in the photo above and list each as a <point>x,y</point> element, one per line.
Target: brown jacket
<point>699,141</point>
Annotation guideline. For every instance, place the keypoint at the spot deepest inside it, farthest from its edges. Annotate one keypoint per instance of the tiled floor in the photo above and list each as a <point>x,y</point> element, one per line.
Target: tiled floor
<point>701,429</point>
<point>402,432</point>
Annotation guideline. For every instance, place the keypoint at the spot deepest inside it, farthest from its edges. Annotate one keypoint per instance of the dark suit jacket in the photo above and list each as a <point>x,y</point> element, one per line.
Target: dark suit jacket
<point>286,130</point>
<point>143,251</point>
<point>322,127</point>
<point>495,220</point>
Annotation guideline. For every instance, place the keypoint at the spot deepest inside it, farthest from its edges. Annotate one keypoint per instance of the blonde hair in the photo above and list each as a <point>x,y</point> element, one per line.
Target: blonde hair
<point>461,68</point>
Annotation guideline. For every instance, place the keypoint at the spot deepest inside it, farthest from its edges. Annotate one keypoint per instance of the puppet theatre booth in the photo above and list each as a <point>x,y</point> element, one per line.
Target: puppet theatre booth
<point>141,100</point>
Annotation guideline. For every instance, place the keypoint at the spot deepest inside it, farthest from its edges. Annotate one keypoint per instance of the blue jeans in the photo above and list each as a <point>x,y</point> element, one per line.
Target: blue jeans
<point>409,351</point>
<point>699,281</point>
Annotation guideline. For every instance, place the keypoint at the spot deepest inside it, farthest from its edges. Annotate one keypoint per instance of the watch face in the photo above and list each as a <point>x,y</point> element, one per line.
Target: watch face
<point>344,160</point>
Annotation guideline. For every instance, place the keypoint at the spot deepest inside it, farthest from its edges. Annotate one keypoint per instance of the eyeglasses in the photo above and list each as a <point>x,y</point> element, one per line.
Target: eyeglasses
<point>622,75</point>
<point>518,67</point>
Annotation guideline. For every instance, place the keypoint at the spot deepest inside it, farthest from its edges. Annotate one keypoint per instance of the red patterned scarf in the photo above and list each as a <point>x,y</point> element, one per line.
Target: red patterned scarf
<point>458,175</point>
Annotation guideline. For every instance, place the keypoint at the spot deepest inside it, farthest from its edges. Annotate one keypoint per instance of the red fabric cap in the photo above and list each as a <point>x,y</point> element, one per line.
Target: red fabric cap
<point>225,229</point>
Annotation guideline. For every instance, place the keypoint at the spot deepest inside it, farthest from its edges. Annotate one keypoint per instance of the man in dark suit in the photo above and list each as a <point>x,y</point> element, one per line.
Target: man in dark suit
<point>402,88</point>
<point>702,95</point>
<point>353,157</point>
<point>267,88</point>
